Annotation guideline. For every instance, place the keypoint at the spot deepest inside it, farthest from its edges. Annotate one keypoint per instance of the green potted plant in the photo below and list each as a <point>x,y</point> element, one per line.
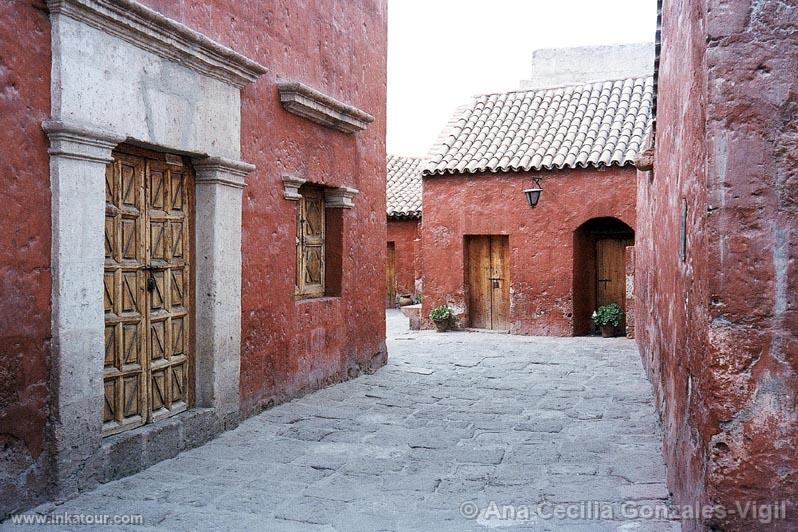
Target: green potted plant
<point>607,318</point>
<point>441,316</point>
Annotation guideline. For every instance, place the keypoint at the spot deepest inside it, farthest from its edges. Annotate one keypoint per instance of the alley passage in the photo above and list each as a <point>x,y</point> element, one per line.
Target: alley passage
<point>455,421</point>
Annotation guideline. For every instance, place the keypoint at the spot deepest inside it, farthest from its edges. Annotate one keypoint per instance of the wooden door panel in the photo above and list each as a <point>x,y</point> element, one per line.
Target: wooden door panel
<point>170,296</point>
<point>500,282</point>
<point>610,272</point>
<point>122,294</point>
<point>310,243</point>
<point>479,289</point>
<point>147,296</point>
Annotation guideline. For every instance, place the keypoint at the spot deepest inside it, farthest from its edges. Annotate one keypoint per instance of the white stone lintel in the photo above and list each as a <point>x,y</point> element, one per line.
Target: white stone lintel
<point>318,107</point>
<point>292,184</point>
<point>340,197</point>
<point>146,28</point>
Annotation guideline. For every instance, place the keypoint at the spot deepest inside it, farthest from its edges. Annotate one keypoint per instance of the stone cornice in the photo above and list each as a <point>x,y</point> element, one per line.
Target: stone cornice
<point>151,31</point>
<point>76,141</point>
<point>340,198</point>
<point>291,184</point>
<point>222,171</point>
<point>309,103</point>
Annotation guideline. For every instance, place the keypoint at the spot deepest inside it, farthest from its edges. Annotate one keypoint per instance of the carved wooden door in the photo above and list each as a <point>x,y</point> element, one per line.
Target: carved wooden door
<point>488,281</point>
<point>147,282</point>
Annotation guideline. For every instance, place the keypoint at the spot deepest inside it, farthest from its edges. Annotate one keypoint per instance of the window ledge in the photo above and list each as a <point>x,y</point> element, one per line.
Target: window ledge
<point>322,299</point>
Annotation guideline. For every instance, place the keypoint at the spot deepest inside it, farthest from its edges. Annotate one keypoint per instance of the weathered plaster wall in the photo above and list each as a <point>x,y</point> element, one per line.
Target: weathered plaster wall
<point>718,331</point>
<point>24,253</point>
<point>338,47</point>
<point>541,239</point>
<point>406,235</point>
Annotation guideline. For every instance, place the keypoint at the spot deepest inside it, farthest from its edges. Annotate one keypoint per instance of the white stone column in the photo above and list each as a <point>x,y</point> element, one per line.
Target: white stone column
<point>219,185</point>
<point>78,157</point>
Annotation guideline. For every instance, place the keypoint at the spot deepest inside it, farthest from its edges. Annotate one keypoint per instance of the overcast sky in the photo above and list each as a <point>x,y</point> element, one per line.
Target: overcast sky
<point>440,52</point>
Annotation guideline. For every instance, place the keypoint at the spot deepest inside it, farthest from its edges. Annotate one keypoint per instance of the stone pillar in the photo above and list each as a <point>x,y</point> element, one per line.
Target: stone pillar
<point>219,185</point>
<point>78,157</point>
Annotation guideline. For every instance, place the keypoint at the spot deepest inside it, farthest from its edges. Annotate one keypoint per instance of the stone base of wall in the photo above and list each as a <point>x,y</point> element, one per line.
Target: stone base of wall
<point>355,369</point>
<point>132,451</point>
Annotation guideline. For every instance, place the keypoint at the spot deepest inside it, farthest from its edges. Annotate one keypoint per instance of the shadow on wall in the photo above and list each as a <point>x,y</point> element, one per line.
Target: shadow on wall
<point>599,268</point>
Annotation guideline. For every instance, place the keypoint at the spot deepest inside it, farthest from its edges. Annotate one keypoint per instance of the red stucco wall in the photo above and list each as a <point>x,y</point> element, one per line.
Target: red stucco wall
<point>24,252</point>
<point>406,236</point>
<point>541,239</point>
<point>718,331</point>
<point>338,47</point>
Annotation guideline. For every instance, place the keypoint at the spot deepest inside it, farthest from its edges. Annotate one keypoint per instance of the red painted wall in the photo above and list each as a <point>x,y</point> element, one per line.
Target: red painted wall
<point>338,47</point>
<point>24,253</point>
<point>406,235</point>
<point>718,331</point>
<point>541,239</point>
<point>288,347</point>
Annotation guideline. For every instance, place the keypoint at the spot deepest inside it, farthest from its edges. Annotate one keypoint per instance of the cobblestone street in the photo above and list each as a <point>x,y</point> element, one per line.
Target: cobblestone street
<point>453,422</point>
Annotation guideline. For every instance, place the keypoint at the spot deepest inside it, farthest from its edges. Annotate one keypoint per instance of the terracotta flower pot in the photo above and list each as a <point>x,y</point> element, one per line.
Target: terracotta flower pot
<point>607,331</point>
<point>405,300</point>
<point>441,325</point>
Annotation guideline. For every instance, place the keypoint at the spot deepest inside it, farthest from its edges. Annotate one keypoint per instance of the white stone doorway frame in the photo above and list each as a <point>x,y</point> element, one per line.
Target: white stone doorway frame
<point>122,72</point>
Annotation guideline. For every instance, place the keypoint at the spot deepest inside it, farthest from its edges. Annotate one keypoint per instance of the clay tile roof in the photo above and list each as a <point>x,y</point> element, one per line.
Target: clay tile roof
<point>595,124</point>
<point>404,186</point>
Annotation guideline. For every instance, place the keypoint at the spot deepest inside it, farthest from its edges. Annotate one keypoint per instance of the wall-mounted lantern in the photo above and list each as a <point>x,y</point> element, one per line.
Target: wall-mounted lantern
<point>533,194</point>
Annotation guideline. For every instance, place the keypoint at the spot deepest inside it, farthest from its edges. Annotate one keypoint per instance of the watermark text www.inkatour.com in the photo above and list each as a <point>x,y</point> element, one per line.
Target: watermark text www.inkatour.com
<point>76,519</point>
<point>496,513</point>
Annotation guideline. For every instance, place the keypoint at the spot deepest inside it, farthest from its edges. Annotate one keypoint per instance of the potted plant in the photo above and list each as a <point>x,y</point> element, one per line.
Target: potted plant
<point>441,316</point>
<point>607,318</point>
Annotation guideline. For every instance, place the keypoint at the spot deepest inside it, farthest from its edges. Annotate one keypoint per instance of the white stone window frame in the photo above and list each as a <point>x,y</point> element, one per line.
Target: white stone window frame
<point>122,72</point>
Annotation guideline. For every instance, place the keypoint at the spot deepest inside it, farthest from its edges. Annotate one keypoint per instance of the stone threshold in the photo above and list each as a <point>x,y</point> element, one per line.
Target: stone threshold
<point>134,450</point>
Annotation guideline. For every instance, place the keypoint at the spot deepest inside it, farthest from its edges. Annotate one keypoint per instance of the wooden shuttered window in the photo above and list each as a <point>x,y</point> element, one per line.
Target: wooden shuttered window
<point>310,243</point>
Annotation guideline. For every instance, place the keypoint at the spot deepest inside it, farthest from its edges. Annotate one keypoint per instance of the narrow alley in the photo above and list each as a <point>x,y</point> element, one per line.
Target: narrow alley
<point>460,431</point>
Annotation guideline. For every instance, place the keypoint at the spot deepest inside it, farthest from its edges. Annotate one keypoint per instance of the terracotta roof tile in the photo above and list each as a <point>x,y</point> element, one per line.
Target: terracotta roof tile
<point>595,124</point>
<point>404,186</point>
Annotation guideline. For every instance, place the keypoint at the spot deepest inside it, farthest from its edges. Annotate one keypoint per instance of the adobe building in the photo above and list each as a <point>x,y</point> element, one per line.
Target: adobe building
<point>716,275</point>
<point>193,197</point>
<point>403,265</point>
<point>500,263</point>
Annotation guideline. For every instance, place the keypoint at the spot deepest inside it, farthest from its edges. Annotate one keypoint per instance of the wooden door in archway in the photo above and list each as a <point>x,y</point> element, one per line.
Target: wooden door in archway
<point>611,272</point>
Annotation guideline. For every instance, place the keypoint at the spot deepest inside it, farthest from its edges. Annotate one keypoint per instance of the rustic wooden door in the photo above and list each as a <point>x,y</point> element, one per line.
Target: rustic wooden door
<point>488,278</point>
<point>390,276</point>
<point>148,351</point>
<point>611,272</point>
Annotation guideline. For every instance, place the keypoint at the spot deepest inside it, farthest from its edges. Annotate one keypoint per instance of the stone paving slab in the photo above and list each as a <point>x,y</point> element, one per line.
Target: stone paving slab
<point>460,431</point>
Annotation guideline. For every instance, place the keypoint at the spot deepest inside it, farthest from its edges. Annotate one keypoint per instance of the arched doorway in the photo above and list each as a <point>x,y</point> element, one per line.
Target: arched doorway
<point>599,268</point>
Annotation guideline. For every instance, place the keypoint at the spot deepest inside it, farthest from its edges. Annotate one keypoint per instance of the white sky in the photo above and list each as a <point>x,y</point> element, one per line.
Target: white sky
<point>441,52</point>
